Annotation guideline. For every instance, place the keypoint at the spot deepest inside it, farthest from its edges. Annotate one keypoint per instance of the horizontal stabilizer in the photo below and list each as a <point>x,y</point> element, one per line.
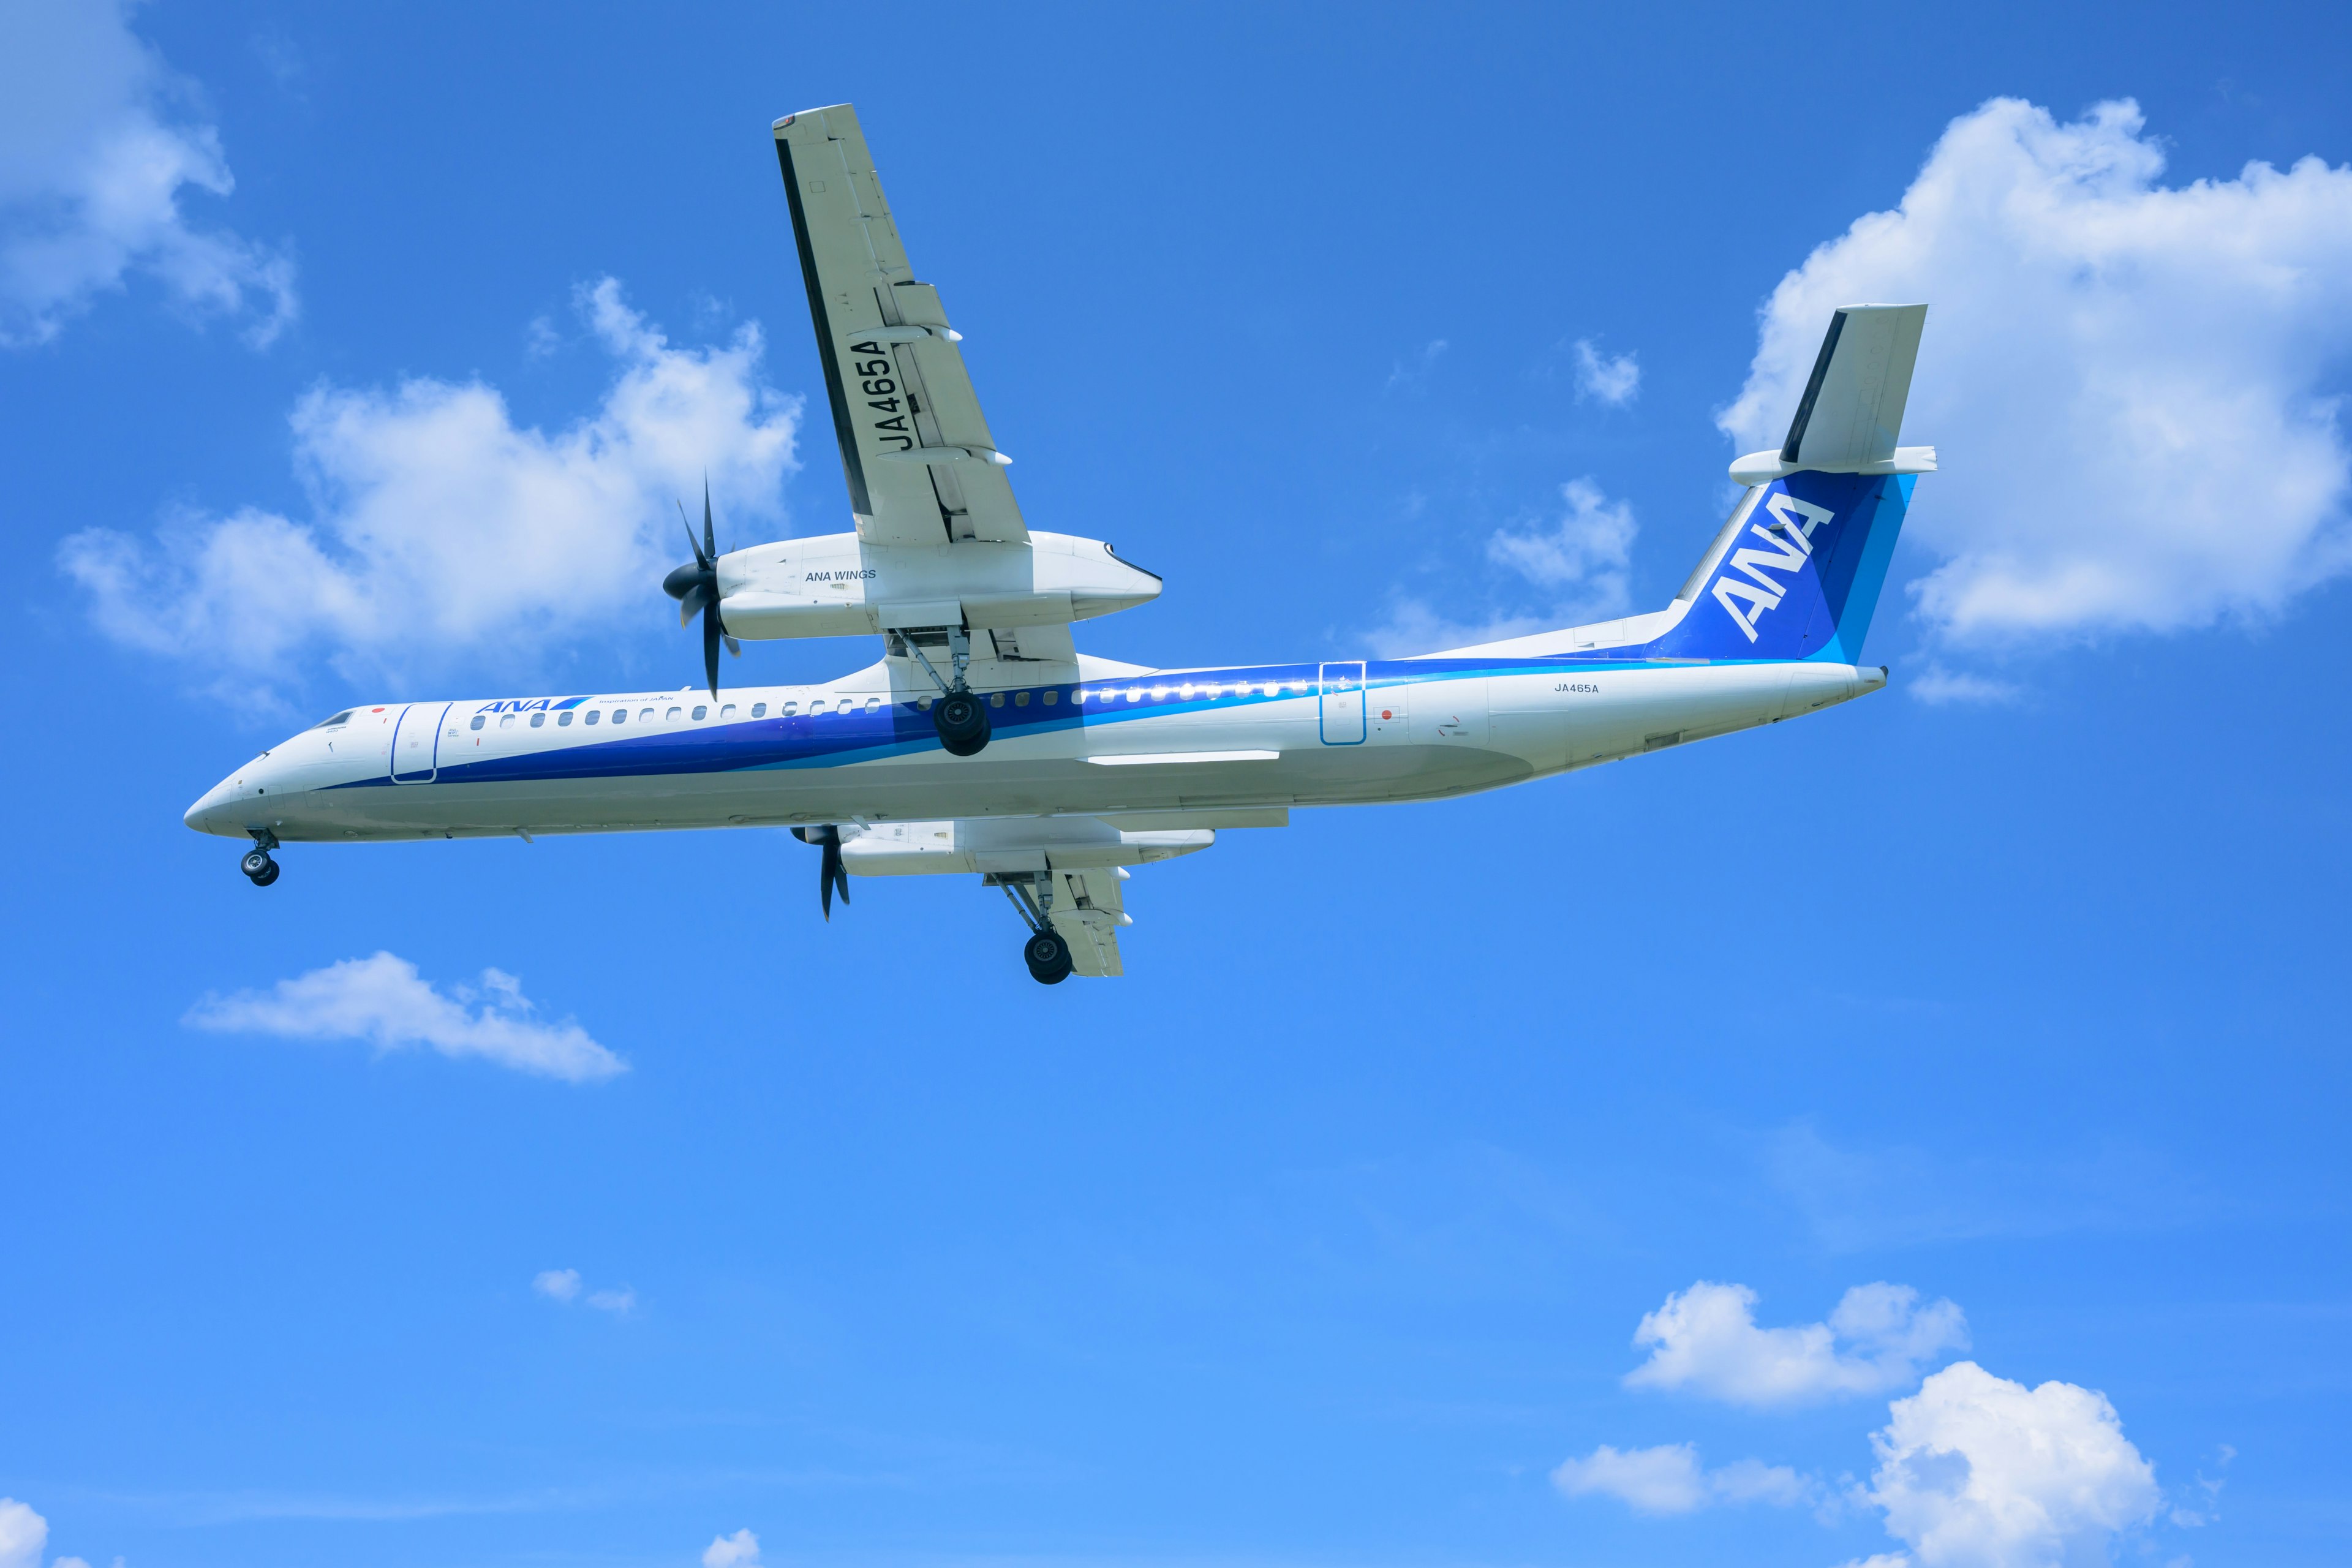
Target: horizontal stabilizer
<point>1851,413</point>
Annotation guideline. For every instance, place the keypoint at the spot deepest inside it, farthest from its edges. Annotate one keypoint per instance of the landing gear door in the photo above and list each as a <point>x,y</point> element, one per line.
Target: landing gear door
<point>1342,689</point>
<point>416,742</point>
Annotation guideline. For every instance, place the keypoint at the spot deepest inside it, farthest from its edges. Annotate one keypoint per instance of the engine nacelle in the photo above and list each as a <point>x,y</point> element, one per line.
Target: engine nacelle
<point>838,586</point>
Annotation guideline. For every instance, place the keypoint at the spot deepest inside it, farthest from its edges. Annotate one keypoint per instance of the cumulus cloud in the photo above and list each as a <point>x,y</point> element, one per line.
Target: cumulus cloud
<point>383,1001</point>
<point>100,144</point>
<point>1976,1471</point>
<point>438,524</point>
<point>1612,379</point>
<point>1705,1341</point>
<point>620,1302</point>
<point>556,1284</point>
<point>1669,1478</point>
<point>1582,561</point>
<point>22,1533</point>
<point>2136,388</point>
<point>741,1549</point>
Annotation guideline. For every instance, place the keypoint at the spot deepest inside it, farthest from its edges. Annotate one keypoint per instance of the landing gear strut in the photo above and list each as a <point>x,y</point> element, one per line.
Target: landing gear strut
<point>257,864</point>
<point>1047,952</point>
<point>960,717</point>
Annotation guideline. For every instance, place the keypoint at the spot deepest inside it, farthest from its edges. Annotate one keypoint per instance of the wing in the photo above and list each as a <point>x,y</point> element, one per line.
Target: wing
<point>921,465</point>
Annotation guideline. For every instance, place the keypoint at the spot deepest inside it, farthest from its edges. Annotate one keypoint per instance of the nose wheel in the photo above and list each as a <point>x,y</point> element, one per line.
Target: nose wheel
<point>257,864</point>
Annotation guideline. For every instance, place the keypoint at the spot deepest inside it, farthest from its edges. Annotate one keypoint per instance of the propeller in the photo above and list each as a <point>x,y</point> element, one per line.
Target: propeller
<point>696,587</point>
<point>830,873</point>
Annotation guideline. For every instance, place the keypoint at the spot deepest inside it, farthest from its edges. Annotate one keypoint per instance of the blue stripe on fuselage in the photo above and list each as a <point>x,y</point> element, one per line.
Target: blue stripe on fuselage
<point>901,728</point>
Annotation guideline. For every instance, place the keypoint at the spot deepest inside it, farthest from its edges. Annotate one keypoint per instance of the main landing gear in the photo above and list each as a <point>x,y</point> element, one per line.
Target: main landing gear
<point>1046,951</point>
<point>959,717</point>
<point>257,864</point>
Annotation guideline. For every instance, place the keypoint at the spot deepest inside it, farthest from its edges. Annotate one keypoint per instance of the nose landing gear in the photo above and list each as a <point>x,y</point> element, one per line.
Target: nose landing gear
<point>257,864</point>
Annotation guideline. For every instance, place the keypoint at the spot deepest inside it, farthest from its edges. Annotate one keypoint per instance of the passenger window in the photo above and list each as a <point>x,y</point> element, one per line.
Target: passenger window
<point>759,709</point>
<point>539,719</point>
<point>563,719</point>
<point>670,717</point>
<point>702,711</point>
<point>619,715</point>
<point>873,705</point>
<point>476,723</point>
<point>1052,698</point>
<point>727,711</point>
<point>594,715</point>
<point>791,709</point>
<point>506,720</point>
<point>1021,699</point>
<point>646,715</point>
<point>996,700</point>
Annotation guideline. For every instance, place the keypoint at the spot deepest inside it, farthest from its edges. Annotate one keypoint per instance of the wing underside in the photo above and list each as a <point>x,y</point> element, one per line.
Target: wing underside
<point>921,465</point>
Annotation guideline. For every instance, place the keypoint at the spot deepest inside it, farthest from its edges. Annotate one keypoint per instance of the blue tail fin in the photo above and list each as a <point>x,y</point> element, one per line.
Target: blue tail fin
<point>1801,572</point>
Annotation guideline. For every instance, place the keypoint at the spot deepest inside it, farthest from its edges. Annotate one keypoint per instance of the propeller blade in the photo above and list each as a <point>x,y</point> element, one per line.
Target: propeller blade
<point>693,599</point>
<point>710,635</point>
<point>829,871</point>
<point>733,647</point>
<point>710,546</point>
<point>700,559</point>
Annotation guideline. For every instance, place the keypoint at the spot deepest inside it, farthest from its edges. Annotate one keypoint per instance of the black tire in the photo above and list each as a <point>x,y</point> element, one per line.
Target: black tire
<point>1047,956</point>
<point>259,866</point>
<point>962,720</point>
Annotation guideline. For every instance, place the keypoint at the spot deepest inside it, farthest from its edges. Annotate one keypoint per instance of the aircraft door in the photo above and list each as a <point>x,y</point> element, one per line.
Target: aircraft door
<point>416,742</point>
<point>1342,688</point>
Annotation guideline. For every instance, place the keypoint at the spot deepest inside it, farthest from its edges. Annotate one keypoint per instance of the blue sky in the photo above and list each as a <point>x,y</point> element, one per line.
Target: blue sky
<point>1326,1234</point>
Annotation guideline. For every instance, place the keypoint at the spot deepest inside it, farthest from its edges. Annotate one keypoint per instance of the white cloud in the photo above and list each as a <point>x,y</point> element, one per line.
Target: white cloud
<point>556,1284</point>
<point>1614,379</point>
<point>439,525</point>
<point>1975,1472</point>
<point>382,1000</point>
<point>1705,1340</point>
<point>563,1285</point>
<point>741,1549</point>
<point>1407,375</point>
<point>1581,559</point>
<point>100,142</point>
<point>1668,1478</point>
<point>22,1533</point>
<point>1936,686</point>
<point>2135,387</point>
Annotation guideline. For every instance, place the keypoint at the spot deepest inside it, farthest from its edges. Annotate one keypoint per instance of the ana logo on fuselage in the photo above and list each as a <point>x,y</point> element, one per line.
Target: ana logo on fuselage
<point>1793,546</point>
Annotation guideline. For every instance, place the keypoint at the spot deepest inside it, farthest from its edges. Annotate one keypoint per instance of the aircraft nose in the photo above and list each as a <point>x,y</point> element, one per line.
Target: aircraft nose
<point>205,816</point>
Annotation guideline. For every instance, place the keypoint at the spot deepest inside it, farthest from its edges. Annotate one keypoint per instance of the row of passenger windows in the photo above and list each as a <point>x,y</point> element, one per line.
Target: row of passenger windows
<point>671,715</point>
<point>1187,692</point>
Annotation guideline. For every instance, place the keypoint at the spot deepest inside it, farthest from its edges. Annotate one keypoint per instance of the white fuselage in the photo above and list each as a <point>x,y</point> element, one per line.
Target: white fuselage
<point>863,750</point>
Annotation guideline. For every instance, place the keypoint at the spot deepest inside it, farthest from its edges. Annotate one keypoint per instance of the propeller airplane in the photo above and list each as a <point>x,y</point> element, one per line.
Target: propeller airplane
<point>982,743</point>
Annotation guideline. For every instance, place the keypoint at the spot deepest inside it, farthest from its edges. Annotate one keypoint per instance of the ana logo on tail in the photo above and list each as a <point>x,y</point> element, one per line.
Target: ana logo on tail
<point>1793,546</point>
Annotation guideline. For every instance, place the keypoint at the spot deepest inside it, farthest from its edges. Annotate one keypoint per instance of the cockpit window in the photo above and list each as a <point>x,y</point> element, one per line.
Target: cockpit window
<point>343,717</point>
